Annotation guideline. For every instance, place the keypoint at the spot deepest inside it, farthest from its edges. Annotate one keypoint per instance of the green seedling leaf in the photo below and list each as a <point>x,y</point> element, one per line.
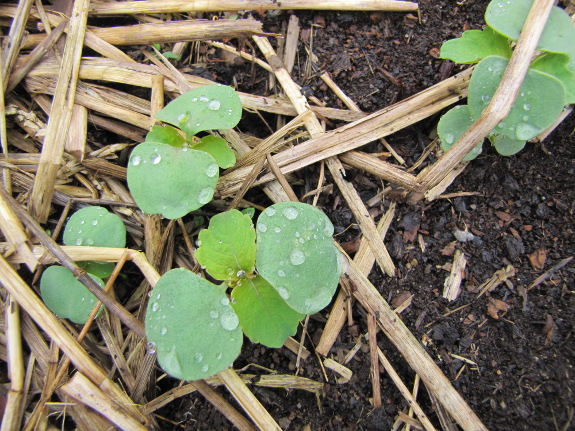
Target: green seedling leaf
<point>95,226</point>
<point>65,295</point>
<point>264,316</point>
<point>452,125</point>
<point>539,103</point>
<point>165,135</point>
<point>171,181</point>
<point>296,255</point>
<point>505,145</point>
<point>191,326</point>
<point>99,269</point>
<point>251,212</point>
<point>205,108</point>
<point>170,54</point>
<point>228,247</point>
<point>473,45</point>
<point>218,148</point>
<point>508,17</point>
<point>558,66</point>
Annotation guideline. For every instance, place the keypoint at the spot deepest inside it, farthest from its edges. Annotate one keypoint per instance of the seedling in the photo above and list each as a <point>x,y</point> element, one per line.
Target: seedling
<point>548,86</point>
<point>174,172</point>
<point>60,290</point>
<point>191,323</point>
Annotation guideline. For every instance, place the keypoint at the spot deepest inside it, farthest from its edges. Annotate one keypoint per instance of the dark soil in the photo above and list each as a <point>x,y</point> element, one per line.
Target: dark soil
<point>519,343</point>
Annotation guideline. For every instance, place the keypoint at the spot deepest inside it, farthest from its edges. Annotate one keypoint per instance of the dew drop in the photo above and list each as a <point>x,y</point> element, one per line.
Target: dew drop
<point>195,99</point>
<point>240,273</point>
<point>205,369</point>
<point>449,138</point>
<point>214,105</point>
<point>82,221</point>
<point>205,195</point>
<point>198,357</point>
<point>204,99</point>
<point>183,118</point>
<point>527,106</point>
<point>155,158</point>
<point>151,347</point>
<point>94,222</point>
<point>79,241</point>
<point>526,118</point>
<point>277,229</point>
<point>89,241</point>
<point>155,306</point>
<point>225,302</point>
<point>485,98</point>
<point>525,131</point>
<point>136,160</point>
<point>214,314</point>
<point>219,356</point>
<point>297,257</point>
<point>262,227</point>
<point>281,273</point>
<point>283,293</point>
<point>290,213</point>
<point>212,170</point>
<point>164,331</point>
<point>229,321</point>
<point>301,240</point>
<point>270,212</point>
<point>297,234</point>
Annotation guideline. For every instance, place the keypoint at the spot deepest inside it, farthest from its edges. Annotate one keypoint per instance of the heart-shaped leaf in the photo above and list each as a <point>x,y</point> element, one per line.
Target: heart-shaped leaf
<point>213,107</point>
<point>539,103</point>
<point>264,316</point>
<point>452,125</point>
<point>65,295</point>
<point>171,181</point>
<point>191,326</point>
<point>228,247</point>
<point>165,135</point>
<point>508,17</point>
<point>218,148</point>
<point>296,255</point>
<point>473,45</point>
<point>95,226</point>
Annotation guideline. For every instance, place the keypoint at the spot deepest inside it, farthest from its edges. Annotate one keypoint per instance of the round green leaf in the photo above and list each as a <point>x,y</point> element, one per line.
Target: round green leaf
<point>539,103</point>
<point>65,295</point>
<point>452,125</point>
<point>505,145</point>
<point>508,17</point>
<point>95,226</point>
<point>171,181</point>
<point>213,107</point>
<point>227,249</point>
<point>473,45</point>
<point>165,135</point>
<point>296,255</point>
<point>264,316</point>
<point>191,326</point>
<point>218,148</point>
<point>99,269</point>
<point>558,66</point>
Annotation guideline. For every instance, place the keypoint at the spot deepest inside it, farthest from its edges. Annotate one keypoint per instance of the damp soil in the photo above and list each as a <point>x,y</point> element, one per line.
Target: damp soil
<point>510,351</point>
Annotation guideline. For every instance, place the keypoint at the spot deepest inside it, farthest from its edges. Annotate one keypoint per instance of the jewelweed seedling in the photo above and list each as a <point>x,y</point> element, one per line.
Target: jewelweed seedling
<point>286,267</point>
<point>548,86</point>
<point>60,290</point>
<point>173,172</point>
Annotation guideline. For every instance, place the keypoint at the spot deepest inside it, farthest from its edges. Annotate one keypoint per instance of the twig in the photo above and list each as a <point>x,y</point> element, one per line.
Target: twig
<point>550,272</point>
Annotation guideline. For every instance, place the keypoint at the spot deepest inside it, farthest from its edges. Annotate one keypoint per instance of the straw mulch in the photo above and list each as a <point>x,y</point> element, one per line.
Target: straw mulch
<point>99,374</point>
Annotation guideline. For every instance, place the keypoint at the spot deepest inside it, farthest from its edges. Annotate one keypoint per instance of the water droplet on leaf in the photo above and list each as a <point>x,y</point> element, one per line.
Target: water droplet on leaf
<point>214,105</point>
<point>205,195</point>
<point>297,257</point>
<point>290,213</point>
<point>164,331</point>
<point>155,306</point>
<point>229,321</point>
<point>449,138</point>
<point>225,302</point>
<point>155,158</point>
<point>283,293</point>
<point>94,222</point>
<point>79,241</point>
<point>214,314</point>
<point>270,212</point>
<point>527,106</point>
<point>277,229</point>
<point>212,170</point>
<point>136,160</point>
<point>281,273</point>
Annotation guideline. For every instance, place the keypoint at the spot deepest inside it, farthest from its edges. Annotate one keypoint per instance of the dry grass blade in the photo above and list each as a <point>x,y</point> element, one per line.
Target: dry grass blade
<point>11,45</point>
<point>52,150</point>
<point>181,6</point>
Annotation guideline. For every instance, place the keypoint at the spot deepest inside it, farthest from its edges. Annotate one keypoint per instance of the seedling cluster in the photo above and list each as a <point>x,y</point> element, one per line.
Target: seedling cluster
<point>174,172</point>
<point>196,329</point>
<point>548,86</point>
